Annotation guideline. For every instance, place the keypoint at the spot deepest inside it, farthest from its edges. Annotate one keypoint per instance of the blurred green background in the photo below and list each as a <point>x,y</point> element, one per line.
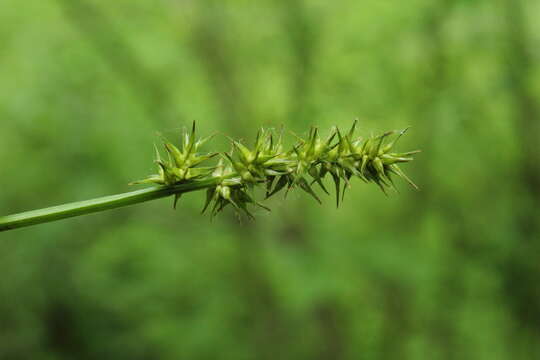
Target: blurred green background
<point>449,272</point>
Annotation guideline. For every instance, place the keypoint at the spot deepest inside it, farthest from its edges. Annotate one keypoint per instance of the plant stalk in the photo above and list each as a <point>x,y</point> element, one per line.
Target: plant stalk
<point>64,211</point>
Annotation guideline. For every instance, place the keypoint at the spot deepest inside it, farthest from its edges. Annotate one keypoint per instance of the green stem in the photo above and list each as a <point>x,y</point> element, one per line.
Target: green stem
<point>64,211</point>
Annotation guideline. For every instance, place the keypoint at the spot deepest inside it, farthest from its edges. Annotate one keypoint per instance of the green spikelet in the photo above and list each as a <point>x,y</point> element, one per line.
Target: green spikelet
<point>182,164</point>
<point>340,156</point>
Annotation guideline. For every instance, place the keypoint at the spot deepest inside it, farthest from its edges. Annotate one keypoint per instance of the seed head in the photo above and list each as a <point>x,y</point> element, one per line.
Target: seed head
<point>309,161</point>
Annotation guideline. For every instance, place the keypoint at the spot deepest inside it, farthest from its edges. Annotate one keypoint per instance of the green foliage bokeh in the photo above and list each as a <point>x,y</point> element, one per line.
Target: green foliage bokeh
<point>449,272</point>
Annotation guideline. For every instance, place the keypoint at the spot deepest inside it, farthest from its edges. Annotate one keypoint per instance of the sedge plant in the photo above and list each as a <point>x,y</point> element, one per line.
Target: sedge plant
<point>231,180</point>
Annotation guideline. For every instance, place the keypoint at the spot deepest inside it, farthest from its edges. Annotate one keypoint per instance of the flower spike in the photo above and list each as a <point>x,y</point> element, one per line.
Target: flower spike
<point>308,162</point>
<point>233,179</point>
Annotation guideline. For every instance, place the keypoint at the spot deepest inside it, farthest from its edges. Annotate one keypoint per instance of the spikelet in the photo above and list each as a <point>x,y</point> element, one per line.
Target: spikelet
<point>340,156</point>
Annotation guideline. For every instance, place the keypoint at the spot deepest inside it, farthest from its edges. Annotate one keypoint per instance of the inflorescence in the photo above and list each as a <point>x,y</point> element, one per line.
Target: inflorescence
<point>237,173</point>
